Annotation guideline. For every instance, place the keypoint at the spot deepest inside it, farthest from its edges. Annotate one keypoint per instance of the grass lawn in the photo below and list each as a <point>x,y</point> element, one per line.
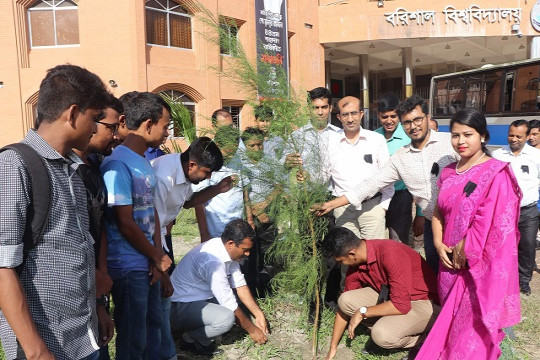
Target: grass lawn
<point>291,336</point>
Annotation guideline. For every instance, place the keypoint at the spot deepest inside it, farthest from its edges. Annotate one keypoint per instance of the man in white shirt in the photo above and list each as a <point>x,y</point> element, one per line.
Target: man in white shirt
<point>174,175</point>
<point>307,146</point>
<point>215,214</point>
<point>525,162</point>
<point>204,304</point>
<point>418,165</point>
<point>354,155</point>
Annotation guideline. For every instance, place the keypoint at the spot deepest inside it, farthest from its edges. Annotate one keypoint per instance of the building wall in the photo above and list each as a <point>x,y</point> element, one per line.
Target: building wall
<point>363,20</point>
<point>112,38</point>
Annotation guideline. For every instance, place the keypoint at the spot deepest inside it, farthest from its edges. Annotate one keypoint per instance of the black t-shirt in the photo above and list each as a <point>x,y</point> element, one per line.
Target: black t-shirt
<point>96,196</point>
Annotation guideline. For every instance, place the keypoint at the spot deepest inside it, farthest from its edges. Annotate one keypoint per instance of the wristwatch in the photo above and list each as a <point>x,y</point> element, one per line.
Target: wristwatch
<point>102,300</point>
<point>363,312</point>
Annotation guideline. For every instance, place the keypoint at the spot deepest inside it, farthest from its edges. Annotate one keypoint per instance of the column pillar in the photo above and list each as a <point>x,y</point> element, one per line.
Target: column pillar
<point>327,75</point>
<point>407,67</point>
<point>364,87</point>
<point>533,47</point>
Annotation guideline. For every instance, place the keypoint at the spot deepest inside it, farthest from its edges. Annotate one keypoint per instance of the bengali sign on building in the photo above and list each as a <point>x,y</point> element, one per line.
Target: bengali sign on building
<point>272,40</point>
<point>402,17</point>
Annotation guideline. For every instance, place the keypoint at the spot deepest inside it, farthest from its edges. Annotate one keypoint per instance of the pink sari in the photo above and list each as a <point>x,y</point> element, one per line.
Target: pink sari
<point>478,302</point>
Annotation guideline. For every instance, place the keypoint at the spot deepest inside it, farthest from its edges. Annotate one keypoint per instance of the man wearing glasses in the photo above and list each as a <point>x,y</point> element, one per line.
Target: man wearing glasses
<point>101,144</point>
<point>354,155</point>
<point>418,165</point>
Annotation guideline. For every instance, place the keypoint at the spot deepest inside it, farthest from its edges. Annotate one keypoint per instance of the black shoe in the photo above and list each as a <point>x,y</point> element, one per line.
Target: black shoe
<point>525,289</point>
<point>199,349</point>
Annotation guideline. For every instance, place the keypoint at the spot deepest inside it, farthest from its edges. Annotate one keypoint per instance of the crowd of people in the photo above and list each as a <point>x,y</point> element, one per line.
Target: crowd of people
<point>114,197</point>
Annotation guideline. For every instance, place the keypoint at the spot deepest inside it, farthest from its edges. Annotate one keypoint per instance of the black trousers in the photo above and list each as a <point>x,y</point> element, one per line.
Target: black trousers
<point>399,216</point>
<point>528,227</point>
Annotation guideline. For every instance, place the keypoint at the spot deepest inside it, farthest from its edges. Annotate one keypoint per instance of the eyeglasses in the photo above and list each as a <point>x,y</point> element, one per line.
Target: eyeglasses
<point>112,127</point>
<point>352,113</point>
<point>417,121</point>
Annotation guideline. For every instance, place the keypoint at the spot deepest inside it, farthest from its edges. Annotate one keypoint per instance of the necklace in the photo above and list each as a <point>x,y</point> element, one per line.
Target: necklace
<point>470,167</point>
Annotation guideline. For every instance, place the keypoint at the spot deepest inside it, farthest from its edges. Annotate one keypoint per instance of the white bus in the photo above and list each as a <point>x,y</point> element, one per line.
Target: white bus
<point>504,93</point>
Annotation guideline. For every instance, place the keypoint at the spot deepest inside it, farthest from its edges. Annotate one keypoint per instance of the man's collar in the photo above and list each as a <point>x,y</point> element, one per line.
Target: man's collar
<point>222,252</point>
<point>432,138</point>
<point>370,257</point>
<point>361,135</point>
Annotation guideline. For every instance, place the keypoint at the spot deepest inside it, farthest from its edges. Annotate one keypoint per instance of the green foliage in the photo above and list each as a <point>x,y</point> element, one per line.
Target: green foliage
<point>182,120</point>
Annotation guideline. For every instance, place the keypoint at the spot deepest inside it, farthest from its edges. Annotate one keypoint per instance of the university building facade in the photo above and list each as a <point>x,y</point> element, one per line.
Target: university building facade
<point>363,48</point>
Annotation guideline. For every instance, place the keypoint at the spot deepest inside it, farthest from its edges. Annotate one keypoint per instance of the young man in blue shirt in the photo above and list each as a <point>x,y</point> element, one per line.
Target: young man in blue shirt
<point>135,255</point>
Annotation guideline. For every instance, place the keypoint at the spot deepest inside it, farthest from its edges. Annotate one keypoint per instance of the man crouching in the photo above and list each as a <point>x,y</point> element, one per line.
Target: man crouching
<point>389,288</point>
<point>204,305</point>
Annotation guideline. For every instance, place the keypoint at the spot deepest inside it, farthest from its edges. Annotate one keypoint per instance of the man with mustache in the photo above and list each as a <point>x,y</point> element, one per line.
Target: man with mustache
<point>418,165</point>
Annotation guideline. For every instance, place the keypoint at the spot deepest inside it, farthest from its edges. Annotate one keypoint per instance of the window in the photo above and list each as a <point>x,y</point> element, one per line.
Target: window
<point>491,88</point>
<point>228,38</point>
<point>176,128</point>
<point>526,89</point>
<point>472,98</point>
<point>235,112</point>
<point>168,24</point>
<point>53,23</point>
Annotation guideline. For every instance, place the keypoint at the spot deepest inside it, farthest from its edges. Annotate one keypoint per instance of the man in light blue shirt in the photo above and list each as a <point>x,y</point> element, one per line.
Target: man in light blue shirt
<point>399,214</point>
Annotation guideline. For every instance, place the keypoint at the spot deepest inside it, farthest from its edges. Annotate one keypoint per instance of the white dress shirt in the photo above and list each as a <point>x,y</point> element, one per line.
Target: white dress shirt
<point>349,164</point>
<point>416,168</point>
<point>172,189</point>
<point>312,145</point>
<point>526,167</point>
<point>207,272</point>
<point>224,207</point>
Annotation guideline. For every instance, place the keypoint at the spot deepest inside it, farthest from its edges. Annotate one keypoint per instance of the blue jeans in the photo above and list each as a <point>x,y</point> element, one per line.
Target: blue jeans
<point>137,316</point>
<point>432,257</point>
<point>168,349</point>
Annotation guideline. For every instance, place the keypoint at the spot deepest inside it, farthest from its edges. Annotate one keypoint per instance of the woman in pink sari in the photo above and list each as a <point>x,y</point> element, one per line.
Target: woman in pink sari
<point>476,235</point>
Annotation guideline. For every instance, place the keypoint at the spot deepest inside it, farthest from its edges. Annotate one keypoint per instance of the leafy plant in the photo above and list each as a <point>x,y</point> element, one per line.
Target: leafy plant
<point>182,120</point>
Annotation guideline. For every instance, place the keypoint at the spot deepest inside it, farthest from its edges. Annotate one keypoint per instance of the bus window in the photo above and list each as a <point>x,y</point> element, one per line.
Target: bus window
<point>509,90</point>
<point>441,97</point>
<point>455,94</point>
<point>526,89</point>
<point>491,92</point>
<point>472,97</point>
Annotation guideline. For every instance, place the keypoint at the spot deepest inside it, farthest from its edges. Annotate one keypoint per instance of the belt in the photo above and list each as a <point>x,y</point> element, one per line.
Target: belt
<point>529,206</point>
<point>377,195</point>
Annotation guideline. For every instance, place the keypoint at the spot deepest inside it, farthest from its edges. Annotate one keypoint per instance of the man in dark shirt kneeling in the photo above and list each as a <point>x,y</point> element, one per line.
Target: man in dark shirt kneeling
<point>396,319</point>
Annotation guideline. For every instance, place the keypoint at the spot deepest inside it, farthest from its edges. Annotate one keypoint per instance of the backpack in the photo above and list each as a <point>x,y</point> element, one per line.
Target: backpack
<point>38,210</point>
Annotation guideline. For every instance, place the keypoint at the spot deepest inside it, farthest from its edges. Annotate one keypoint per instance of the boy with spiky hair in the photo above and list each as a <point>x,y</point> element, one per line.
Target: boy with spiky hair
<point>134,248</point>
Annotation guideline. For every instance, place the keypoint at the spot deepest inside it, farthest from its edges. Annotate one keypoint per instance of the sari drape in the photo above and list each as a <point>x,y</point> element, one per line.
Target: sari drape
<point>479,301</point>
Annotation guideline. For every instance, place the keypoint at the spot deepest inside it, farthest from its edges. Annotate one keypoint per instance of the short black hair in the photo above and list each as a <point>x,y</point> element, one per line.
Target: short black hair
<point>227,135</point>
<point>141,106</point>
<point>435,121</point>
<point>219,112</point>
<point>534,124</point>
<point>263,111</point>
<point>237,230</point>
<point>66,85</point>
<point>338,242</point>
<point>204,152</point>
<point>320,93</point>
<point>116,105</point>
<point>521,122</point>
<point>388,102</point>
<point>409,104</point>
<point>251,133</point>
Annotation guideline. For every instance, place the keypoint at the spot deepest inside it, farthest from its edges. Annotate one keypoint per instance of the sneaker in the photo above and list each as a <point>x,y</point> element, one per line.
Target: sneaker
<point>198,348</point>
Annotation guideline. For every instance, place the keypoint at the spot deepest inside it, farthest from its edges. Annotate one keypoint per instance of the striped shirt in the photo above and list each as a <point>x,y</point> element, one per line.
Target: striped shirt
<point>59,273</point>
<point>416,168</point>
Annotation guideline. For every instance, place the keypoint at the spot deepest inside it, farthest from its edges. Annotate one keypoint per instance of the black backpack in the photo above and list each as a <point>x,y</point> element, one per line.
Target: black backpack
<point>37,212</point>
